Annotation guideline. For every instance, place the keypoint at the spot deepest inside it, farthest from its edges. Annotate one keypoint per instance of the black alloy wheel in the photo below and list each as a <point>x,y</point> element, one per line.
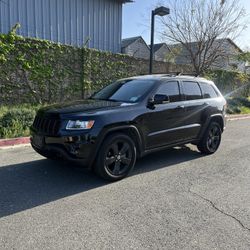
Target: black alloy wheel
<point>211,139</point>
<point>116,158</point>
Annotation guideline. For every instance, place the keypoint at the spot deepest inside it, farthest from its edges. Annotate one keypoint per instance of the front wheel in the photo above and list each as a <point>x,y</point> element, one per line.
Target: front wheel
<point>116,158</point>
<point>211,139</point>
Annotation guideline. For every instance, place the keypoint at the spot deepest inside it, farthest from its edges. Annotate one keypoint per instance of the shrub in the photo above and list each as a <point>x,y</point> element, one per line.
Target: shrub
<point>3,110</point>
<point>235,110</point>
<point>245,110</point>
<point>16,122</point>
<point>238,105</point>
<point>243,101</point>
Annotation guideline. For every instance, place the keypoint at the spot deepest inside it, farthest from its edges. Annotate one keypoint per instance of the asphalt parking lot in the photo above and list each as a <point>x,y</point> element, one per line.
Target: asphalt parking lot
<point>175,199</point>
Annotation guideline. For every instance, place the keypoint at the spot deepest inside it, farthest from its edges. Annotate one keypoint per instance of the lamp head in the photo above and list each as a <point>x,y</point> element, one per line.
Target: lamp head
<point>162,11</point>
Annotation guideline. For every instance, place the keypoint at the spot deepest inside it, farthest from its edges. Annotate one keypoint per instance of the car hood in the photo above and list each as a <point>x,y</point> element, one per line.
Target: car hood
<point>82,106</point>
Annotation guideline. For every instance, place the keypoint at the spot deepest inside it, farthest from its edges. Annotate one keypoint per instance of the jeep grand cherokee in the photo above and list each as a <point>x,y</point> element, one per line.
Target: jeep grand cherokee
<point>130,118</point>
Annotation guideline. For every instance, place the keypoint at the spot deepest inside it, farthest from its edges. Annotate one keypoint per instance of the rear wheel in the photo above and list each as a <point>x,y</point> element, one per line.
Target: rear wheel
<point>211,139</point>
<point>116,158</point>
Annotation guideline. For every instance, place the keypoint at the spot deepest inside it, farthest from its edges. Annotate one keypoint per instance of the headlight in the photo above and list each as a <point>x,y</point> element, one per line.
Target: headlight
<point>78,125</point>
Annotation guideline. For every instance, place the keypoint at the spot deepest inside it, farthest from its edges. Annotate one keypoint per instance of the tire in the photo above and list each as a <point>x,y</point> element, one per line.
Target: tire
<point>116,158</point>
<point>211,139</point>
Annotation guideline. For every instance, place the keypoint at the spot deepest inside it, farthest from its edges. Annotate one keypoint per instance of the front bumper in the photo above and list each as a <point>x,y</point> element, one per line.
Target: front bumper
<point>73,148</point>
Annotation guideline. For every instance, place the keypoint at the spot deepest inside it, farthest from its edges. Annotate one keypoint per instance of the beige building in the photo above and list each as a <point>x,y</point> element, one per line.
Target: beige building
<point>136,47</point>
<point>178,54</point>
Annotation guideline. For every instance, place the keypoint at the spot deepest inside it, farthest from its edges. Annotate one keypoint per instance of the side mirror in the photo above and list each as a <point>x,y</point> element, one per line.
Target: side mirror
<point>160,99</point>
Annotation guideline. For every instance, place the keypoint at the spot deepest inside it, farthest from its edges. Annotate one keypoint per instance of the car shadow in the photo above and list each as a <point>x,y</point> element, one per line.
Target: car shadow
<point>27,185</point>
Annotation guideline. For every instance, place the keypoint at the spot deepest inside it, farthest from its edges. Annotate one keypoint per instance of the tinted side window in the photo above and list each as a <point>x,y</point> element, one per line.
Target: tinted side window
<point>191,90</point>
<point>171,89</point>
<point>208,90</point>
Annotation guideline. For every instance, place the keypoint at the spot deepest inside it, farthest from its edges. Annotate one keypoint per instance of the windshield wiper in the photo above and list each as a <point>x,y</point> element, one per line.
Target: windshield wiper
<point>105,99</point>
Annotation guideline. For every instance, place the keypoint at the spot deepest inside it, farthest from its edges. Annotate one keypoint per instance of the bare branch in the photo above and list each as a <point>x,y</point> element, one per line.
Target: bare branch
<point>201,26</point>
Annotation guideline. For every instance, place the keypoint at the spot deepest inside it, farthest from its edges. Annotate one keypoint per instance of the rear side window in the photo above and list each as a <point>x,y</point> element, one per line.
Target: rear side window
<point>170,89</point>
<point>192,90</point>
<point>208,90</point>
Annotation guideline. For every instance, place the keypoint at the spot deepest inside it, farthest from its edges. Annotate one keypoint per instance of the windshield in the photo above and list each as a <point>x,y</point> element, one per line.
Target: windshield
<point>125,91</point>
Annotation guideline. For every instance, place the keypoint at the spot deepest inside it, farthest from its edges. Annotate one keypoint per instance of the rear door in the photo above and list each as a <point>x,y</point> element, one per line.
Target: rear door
<point>194,106</point>
<point>164,122</point>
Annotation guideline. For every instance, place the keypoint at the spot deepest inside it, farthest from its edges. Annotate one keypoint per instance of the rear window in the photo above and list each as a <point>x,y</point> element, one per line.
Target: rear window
<point>192,90</point>
<point>208,90</point>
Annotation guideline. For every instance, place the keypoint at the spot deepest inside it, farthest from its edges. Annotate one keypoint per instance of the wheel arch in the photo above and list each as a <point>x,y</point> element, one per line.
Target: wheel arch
<point>129,129</point>
<point>213,118</point>
<point>219,119</point>
<point>206,144</point>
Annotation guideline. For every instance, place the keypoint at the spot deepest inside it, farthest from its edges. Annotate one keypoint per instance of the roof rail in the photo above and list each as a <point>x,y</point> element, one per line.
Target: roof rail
<point>175,73</point>
<point>178,73</point>
<point>192,74</point>
<point>172,74</point>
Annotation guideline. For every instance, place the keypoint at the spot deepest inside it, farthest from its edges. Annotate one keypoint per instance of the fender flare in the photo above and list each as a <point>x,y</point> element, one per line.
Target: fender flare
<point>208,120</point>
<point>104,133</point>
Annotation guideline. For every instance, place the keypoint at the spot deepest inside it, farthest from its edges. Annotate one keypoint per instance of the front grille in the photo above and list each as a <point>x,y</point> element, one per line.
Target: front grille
<point>46,125</point>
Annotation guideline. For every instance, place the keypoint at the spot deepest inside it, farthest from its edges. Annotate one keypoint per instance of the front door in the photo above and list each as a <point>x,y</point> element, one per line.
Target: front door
<point>164,122</point>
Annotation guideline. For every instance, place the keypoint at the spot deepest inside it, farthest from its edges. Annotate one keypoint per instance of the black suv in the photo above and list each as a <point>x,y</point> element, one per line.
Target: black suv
<point>130,118</point>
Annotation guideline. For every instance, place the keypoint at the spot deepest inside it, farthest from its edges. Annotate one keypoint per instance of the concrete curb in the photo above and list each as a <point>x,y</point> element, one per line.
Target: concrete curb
<point>237,117</point>
<point>6,143</point>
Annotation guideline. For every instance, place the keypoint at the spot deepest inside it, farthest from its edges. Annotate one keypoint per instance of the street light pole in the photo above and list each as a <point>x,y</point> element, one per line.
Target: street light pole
<point>152,42</point>
<point>161,11</point>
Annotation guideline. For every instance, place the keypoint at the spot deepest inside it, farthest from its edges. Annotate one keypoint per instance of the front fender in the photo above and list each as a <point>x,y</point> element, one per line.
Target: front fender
<point>125,128</point>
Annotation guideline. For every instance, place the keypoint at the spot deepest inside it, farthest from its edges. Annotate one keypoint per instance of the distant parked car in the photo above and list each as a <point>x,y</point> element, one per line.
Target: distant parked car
<point>130,118</point>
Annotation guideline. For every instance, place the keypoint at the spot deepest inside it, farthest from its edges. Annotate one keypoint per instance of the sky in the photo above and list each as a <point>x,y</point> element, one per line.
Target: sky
<point>136,21</point>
